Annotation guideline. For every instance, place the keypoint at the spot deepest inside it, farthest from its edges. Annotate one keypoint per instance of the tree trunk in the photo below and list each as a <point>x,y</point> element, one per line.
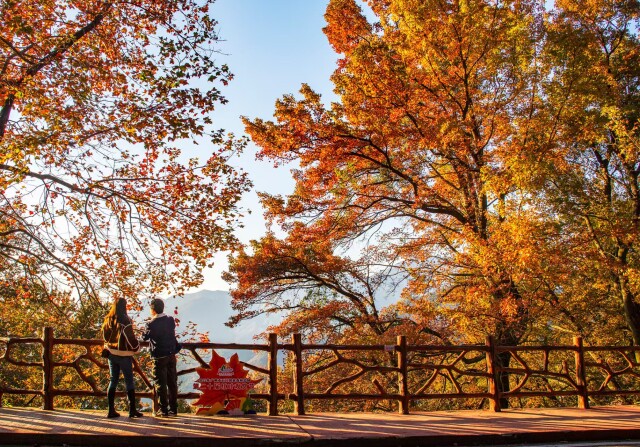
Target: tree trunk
<point>504,359</point>
<point>631,313</point>
<point>509,332</point>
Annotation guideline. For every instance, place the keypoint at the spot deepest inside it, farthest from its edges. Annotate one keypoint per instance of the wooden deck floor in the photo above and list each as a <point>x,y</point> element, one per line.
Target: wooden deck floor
<point>24,426</point>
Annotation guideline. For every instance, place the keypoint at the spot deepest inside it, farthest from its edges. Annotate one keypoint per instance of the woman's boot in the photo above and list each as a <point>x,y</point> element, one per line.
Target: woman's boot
<point>133,413</point>
<point>111,399</point>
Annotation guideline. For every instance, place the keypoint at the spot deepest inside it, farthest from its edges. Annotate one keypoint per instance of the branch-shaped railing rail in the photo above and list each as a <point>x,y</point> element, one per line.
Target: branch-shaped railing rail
<point>400,372</point>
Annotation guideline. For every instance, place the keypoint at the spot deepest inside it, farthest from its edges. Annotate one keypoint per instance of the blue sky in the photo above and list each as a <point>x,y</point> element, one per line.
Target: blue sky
<point>272,47</point>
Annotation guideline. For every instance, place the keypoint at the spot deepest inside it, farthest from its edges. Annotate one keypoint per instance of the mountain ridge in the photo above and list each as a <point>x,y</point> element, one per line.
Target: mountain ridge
<point>210,310</point>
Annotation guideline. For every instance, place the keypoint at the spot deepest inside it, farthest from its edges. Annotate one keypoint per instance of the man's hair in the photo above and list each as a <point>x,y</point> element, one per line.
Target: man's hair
<point>157,305</point>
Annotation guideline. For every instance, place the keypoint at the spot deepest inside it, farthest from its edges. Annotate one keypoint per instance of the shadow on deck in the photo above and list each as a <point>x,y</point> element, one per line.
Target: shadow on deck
<point>27,426</point>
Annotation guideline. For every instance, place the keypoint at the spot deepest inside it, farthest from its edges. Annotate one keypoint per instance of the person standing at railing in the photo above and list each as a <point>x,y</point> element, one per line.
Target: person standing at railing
<point>122,344</point>
<point>161,334</point>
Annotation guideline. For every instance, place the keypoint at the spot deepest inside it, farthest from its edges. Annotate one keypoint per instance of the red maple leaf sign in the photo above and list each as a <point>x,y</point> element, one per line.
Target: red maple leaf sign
<point>222,381</point>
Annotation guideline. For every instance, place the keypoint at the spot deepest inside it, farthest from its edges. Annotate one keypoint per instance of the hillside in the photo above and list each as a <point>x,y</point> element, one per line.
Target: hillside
<point>210,310</point>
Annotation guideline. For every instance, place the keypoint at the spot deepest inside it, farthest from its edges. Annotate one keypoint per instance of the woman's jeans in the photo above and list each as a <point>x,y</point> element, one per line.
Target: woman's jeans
<point>121,363</point>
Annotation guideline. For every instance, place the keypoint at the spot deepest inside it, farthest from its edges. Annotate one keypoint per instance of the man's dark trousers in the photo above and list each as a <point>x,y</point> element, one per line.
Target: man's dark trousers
<point>165,377</point>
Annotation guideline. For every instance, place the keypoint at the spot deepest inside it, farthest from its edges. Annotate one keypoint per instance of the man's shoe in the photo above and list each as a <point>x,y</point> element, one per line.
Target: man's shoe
<point>113,414</point>
<point>172,413</point>
<point>162,414</point>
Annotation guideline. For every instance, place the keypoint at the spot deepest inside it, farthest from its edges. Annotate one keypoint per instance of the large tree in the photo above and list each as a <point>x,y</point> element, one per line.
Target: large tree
<point>592,158</point>
<point>97,99</point>
<point>414,158</point>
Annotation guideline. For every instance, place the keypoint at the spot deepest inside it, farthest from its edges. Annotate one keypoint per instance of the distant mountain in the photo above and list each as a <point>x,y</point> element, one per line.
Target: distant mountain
<point>210,310</point>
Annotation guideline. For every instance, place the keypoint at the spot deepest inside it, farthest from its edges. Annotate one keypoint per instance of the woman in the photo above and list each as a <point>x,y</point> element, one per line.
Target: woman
<point>119,339</point>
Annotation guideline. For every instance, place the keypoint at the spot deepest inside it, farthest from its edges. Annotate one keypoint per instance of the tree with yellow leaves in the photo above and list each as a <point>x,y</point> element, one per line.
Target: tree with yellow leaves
<point>413,164</point>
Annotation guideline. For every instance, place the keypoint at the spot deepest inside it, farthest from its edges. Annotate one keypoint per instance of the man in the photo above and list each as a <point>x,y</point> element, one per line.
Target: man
<point>161,334</point>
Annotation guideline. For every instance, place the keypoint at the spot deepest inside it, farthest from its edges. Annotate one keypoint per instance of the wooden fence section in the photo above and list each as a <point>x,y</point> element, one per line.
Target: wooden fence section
<point>400,372</point>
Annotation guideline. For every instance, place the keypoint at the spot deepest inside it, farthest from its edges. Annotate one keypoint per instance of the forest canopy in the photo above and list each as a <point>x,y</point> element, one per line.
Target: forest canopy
<point>481,164</point>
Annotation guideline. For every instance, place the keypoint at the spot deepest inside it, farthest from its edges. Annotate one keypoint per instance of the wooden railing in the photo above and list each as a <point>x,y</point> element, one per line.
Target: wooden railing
<point>312,372</point>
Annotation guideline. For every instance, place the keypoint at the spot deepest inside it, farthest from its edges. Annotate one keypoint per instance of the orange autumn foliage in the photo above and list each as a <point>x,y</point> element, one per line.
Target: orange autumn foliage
<point>480,165</point>
<point>97,99</point>
<point>411,163</point>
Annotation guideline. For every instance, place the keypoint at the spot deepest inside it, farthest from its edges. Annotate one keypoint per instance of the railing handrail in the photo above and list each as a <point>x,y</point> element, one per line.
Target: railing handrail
<point>399,351</point>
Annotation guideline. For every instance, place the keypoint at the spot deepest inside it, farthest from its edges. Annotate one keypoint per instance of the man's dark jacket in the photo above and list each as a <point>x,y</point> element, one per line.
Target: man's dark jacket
<point>161,334</point>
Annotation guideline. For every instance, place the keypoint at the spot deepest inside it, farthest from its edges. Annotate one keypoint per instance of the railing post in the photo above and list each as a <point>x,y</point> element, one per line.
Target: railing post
<point>47,368</point>
<point>492,371</point>
<point>273,375</point>
<point>155,402</point>
<point>298,387</point>
<point>403,384</point>
<point>581,381</point>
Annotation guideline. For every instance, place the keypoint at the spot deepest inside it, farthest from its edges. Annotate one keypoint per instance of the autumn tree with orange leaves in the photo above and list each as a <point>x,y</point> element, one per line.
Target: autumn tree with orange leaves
<point>97,99</point>
<point>413,163</point>
<point>481,158</point>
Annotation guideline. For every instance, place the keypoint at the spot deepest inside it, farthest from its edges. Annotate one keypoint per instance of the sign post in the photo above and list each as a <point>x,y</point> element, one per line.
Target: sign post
<point>224,386</point>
